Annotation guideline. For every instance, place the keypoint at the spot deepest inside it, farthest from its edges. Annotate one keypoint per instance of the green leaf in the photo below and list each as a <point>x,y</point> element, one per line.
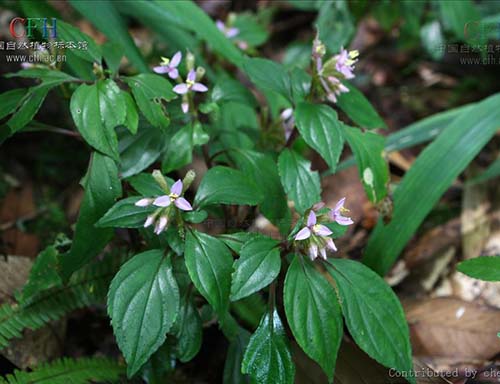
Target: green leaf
<point>227,89</point>
<point>143,302</point>
<point>209,264</point>
<point>485,268</point>
<point>335,25</point>
<point>47,76</point>
<point>139,151</point>
<point>187,15</point>
<point>373,314</point>
<point>188,330</point>
<point>102,188</point>
<point>232,366</point>
<point>75,371</point>
<point>179,150</point>
<point>373,169</point>
<point>148,91</point>
<point>146,185</point>
<point>10,99</point>
<point>132,116</point>
<point>258,265</point>
<point>313,312</point>
<point>437,166</point>
<point>457,16</point>
<point>97,109</point>
<point>106,18</point>
<point>301,84</point>
<point>267,358</point>
<point>27,108</point>
<point>359,109</point>
<point>301,184</point>
<point>262,169</point>
<point>67,32</point>
<point>320,128</point>
<point>490,173</point>
<point>124,214</point>
<point>250,30</point>
<point>236,240</point>
<point>43,274</point>
<point>223,185</point>
<point>268,75</point>
<point>113,54</point>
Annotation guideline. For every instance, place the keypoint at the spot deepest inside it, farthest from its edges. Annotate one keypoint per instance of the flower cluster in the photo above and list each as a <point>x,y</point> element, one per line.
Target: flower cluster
<point>316,236</point>
<point>231,32</point>
<point>332,72</point>
<point>161,216</point>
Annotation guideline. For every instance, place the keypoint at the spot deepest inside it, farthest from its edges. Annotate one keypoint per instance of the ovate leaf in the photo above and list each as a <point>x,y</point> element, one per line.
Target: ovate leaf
<point>187,330</point>
<point>97,109</point>
<point>223,185</point>
<point>209,264</point>
<point>429,177</point>
<point>125,214</point>
<point>359,109</point>
<point>102,188</point>
<point>179,150</point>
<point>148,91</point>
<point>68,33</point>
<point>268,75</point>
<point>267,358</point>
<point>143,302</point>
<point>373,169</point>
<point>259,264</point>
<point>373,314</point>
<point>483,268</point>
<point>320,128</point>
<point>232,366</point>
<point>313,312</point>
<point>300,183</point>
<point>262,169</point>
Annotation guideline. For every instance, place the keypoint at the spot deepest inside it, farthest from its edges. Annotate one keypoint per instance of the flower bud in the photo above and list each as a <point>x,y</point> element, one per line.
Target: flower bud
<point>189,61</point>
<point>200,72</point>
<point>157,175</point>
<point>188,179</point>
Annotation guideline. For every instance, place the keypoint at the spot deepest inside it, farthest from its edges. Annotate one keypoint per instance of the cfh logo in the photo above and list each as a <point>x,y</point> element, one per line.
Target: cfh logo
<point>30,25</point>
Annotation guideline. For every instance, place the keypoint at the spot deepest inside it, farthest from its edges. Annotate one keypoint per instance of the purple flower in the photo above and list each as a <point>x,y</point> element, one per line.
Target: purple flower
<point>336,214</point>
<point>344,62</point>
<point>317,235</point>
<point>169,66</point>
<point>163,202</point>
<point>229,32</point>
<point>190,85</point>
<point>174,197</point>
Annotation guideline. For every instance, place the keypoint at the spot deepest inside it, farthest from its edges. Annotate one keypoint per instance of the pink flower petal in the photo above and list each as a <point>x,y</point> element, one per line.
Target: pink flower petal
<point>311,219</point>
<point>198,87</point>
<point>342,220</point>
<point>181,89</point>
<point>220,25</point>
<point>161,69</point>
<point>339,204</point>
<point>149,220</point>
<point>176,59</point>
<point>161,225</point>
<point>322,252</point>
<point>191,75</point>
<point>143,202</point>
<point>321,230</point>
<point>303,234</point>
<point>162,201</point>
<point>173,73</point>
<point>232,32</point>
<point>313,251</point>
<point>183,204</point>
<point>177,188</point>
<point>331,245</point>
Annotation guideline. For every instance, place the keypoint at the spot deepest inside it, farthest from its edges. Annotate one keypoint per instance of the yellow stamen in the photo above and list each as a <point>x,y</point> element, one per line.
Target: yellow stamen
<point>164,60</point>
<point>354,54</point>
<point>189,83</point>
